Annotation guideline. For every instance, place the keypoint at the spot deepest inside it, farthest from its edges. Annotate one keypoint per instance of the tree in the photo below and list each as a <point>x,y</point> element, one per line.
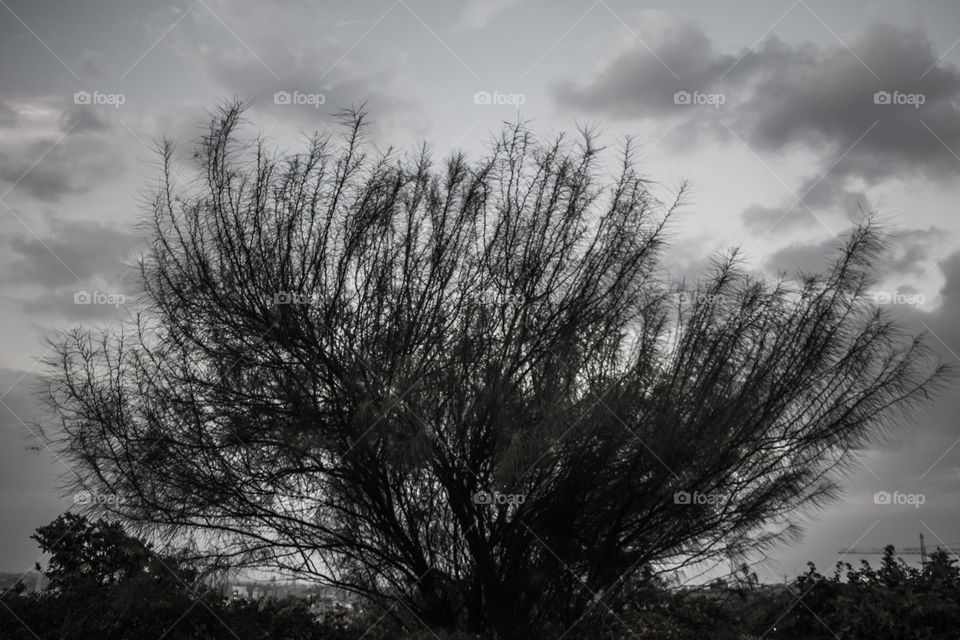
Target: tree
<point>105,583</point>
<point>85,555</point>
<point>466,389</point>
<point>744,581</point>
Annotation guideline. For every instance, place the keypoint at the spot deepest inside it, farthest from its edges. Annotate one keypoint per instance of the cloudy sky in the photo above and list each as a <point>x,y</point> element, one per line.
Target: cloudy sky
<point>789,118</point>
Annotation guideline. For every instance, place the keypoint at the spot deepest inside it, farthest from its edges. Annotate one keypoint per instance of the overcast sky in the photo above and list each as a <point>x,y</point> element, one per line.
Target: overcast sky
<point>789,118</point>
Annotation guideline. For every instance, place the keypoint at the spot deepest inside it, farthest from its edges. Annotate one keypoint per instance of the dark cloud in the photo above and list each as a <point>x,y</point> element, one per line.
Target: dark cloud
<point>944,319</point>
<point>80,271</point>
<point>780,98</point>
<point>49,168</point>
<point>642,84</point>
<point>913,250</point>
<point>762,219</point>
<point>91,250</point>
<point>824,99</point>
<point>910,252</point>
<point>805,258</point>
<point>816,203</point>
<point>8,116</point>
<point>939,427</point>
<point>809,206</point>
<point>83,117</point>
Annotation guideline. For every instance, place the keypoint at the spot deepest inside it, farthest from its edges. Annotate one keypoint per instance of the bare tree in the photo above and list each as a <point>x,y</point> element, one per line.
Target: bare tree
<point>466,389</point>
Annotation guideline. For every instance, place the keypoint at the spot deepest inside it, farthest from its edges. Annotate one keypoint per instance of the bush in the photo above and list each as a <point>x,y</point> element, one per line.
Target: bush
<point>108,585</point>
<point>895,601</point>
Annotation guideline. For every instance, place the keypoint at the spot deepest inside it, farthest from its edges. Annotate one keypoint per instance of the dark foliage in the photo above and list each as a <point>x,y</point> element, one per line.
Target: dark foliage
<point>894,601</point>
<point>107,585</point>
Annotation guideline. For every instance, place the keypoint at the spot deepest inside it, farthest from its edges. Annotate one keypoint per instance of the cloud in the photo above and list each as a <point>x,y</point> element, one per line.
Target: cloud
<point>476,14</point>
<point>57,149</point>
<point>77,164</point>
<point>71,257</point>
<point>82,117</point>
<point>641,82</point>
<point>909,253</point>
<point>782,97</point>
<point>944,318</point>
<point>91,250</point>
<point>8,116</point>
<point>806,258</point>
<point>91,63</point>
<point>257,59</point>
<point>825,99</point>
<point>809,206</point>
<point>914,250</point>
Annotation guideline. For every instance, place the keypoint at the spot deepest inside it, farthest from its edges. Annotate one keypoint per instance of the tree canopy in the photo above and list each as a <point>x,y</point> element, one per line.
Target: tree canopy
<point>467,387</point>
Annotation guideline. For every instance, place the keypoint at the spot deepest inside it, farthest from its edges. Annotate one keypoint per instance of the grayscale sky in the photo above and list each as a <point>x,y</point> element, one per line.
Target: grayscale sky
<point>788,117</point>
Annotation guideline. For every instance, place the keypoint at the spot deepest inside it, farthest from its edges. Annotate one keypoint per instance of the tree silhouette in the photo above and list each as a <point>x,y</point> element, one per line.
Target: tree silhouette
<point>109,585</point>
<point>86,555</point>
<point>466,388</point>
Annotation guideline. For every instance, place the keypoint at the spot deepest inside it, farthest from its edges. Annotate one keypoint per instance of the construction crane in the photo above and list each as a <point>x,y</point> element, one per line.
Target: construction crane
<point>905,551</point>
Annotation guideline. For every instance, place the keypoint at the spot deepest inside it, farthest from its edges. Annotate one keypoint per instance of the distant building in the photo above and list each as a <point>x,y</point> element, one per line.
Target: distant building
<point>273,589</point>
<point>34,581</point>
<point>238,592</point>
